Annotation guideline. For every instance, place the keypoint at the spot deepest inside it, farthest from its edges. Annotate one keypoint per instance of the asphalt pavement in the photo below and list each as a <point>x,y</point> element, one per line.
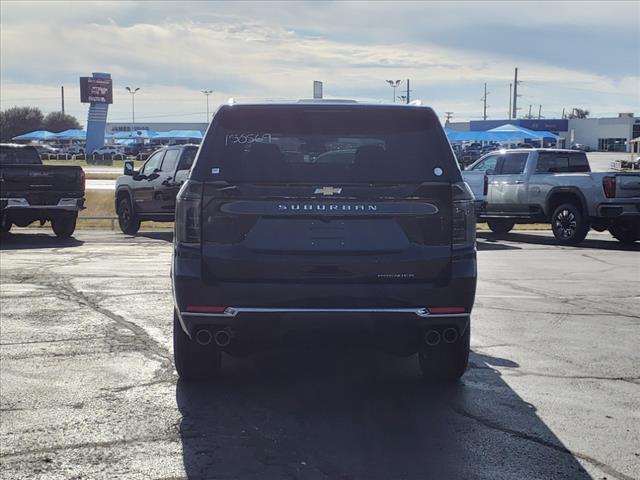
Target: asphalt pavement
<point>88,389</point>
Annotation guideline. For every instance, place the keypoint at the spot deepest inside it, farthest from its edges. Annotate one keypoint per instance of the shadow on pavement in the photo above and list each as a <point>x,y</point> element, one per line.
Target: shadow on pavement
<point>27,241</point>
<point>362,415</point>
<point>546,239</point>
<point>167,236</point>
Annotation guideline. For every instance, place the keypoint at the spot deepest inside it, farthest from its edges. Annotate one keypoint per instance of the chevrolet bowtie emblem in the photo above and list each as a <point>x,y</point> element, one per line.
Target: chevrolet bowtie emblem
<point>328,191</point>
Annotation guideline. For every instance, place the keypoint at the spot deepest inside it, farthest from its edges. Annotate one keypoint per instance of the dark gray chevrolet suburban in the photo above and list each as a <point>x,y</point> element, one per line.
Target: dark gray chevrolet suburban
<point>332,219</point>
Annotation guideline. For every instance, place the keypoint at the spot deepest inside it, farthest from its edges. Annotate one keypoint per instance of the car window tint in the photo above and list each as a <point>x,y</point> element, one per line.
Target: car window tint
<point>170,160</point>
<point>187,158</point>
<point>152,163</point>
<point>488,163</point>
<point>513,163</point>
<point>19,156</point>
<point>552,163</point>
<point>578,162</point>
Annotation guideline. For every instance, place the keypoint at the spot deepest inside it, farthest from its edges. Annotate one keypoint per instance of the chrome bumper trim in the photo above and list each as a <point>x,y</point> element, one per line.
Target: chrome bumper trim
<point>234,311</point>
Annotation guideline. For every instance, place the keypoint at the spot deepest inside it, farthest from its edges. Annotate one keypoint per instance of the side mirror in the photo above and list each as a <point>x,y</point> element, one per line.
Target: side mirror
<point>128,168</point>
<point>490,172</point>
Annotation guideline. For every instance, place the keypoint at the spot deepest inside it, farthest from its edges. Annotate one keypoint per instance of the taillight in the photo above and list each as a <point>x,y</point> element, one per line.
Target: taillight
<point>83,179</point>
<point>464,218</point>
<point>609,186</point>
<point>188,212</point>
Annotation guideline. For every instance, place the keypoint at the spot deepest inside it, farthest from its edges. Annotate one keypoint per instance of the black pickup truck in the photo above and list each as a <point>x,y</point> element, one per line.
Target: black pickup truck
<point>150,193</point>
<point>32,192</point>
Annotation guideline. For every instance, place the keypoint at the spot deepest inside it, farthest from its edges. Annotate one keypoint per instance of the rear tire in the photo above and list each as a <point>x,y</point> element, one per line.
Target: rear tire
<point>193,361</point>
<point>569,224</point>
<point>500,225</point>
<point>5,225</point>
<point>64,225</point>
<point>446,362</point>
<point>625,232</point>
<point>128,220</point>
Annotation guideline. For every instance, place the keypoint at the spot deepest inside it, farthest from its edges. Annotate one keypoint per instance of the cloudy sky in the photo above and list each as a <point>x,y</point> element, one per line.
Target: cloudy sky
<point>573,54</point>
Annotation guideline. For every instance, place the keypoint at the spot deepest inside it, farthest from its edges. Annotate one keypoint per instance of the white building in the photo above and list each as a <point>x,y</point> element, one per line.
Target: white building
<point>603,134</point>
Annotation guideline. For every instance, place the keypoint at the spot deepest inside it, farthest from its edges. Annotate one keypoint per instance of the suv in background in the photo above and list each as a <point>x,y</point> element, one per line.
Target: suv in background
<point>324,219</point>
<point>150,194</point>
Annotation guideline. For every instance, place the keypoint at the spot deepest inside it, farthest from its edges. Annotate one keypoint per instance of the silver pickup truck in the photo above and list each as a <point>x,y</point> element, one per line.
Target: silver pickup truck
<point>554,186</point>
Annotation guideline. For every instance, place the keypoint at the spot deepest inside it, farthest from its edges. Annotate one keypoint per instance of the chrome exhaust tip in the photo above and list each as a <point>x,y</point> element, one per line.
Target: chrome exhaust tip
<point>432,338</point>
<point>450,335</point>
<point>203,336</point>
<point>222,338</point>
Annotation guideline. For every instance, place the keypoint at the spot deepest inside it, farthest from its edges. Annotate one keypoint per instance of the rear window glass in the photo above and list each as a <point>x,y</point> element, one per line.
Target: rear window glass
<point>564,162</point>
<point>325,144</point>
<point>19,156</point>
<point>513,163</point>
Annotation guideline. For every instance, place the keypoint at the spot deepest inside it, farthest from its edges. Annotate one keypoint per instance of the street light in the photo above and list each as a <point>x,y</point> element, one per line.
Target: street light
<point>394,84</point>
<point>133,108</point>
<point>207,93</point>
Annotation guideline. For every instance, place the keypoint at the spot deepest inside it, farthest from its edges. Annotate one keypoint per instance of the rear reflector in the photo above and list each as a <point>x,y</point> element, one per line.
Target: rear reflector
<point>204,309</point>
<point>442,310</point>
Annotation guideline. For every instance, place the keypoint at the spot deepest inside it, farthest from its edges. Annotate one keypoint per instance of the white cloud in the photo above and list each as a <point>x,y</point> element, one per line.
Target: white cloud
<point>260,55</point>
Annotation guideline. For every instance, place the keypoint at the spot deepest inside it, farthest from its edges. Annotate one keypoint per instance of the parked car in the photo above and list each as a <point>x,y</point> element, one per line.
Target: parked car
<point>45,149</point>
<point>32,192</point>
<point>150,194</point>
<point>74,149</point>
<point>108,150</point>
<point>581,147</point>
<point>268,244</point>
<point>557,187</point>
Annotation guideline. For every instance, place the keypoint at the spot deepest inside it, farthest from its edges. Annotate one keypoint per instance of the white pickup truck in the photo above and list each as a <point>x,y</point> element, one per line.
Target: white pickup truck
<point>554,186</point>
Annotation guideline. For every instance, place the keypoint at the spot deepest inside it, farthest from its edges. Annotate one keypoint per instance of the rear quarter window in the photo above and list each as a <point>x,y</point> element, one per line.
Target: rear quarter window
<point>562,162</point>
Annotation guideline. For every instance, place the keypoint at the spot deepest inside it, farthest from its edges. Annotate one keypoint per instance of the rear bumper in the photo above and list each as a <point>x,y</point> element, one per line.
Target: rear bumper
<point>255,308</point>
<point>629,209</point>
<point>22,204</point>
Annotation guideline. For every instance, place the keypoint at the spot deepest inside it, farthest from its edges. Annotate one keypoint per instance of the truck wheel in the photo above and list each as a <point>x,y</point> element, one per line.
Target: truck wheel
<point>127,219</point>
<point>193,361</point>
<point>445,362</point>
<point>500,225</point>
<point>64,225</point>
<point>625,232</point>
<point>569,224</point>
<point>5,225</point>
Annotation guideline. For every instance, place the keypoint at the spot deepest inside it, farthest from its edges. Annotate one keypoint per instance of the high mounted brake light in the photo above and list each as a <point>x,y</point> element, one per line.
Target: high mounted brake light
<point>609,186</point>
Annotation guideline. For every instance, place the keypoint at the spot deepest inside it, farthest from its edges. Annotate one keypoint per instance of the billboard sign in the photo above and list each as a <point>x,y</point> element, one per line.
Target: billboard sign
<point>96,90</point>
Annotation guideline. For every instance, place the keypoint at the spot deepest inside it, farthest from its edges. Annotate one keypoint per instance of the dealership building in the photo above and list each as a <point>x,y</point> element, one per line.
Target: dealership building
<point>117,127</point>
<point>604,134</point>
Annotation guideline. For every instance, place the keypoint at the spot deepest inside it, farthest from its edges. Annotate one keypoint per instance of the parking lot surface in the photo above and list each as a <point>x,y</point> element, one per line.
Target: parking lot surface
<point>88,389</point>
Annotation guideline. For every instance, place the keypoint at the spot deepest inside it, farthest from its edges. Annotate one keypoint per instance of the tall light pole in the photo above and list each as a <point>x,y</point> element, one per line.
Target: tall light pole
<point>133,107</point>
<point>394,84</point>
<point>207,93</point>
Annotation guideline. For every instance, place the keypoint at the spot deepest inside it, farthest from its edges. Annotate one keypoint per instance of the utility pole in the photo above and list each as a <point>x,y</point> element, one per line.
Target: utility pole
<point>539,112</point>
<point>448,118</point>
<point>563,113</point>
<point>529,115</point>
<point>484,101</point>
<point>515,95</point>
<point>408,92</point>
<point>207,93</point>
<point>62,97</point>
<point>509,111</point>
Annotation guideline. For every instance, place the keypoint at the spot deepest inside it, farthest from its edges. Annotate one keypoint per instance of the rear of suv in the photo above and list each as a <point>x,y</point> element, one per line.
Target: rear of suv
<point>333,219</point>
